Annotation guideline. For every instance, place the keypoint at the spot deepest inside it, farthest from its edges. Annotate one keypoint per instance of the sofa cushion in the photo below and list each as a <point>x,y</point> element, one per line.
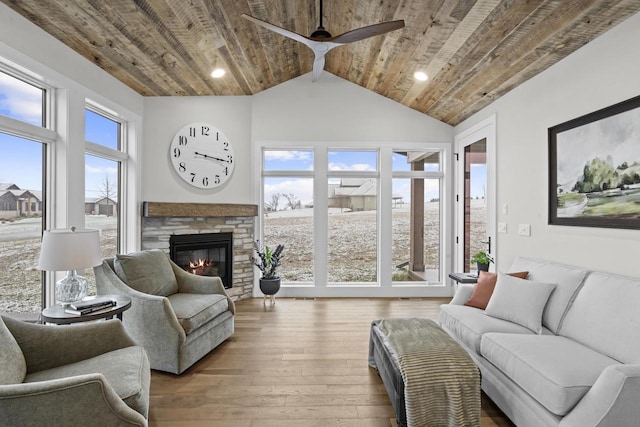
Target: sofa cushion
<point>468,324</point>
<point>568,280</point>
<point>148,272</point>
<point>605,316</point>
<point>483,290</point>
<point>554,370</point>
<point>194,310</point>
<point>14,367</point>
<point>519,301</point>
<point>126,370</point>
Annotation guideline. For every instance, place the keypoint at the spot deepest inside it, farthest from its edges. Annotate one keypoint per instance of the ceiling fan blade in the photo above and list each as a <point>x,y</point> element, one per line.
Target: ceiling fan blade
<point>290,34</point>
<point>318,66</point>
<point>366,32</point>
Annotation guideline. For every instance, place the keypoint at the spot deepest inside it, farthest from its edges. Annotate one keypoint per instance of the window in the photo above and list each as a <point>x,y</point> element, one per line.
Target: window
<point>103,164</point>
<point>416,230</point>
<point>288,210</point>
<point>368,218</point>
<point>352,217</point>
<point>22,197</point>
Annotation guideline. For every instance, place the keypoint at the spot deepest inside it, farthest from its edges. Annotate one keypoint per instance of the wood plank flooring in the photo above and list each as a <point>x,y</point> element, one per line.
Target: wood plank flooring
<point>300,362</point>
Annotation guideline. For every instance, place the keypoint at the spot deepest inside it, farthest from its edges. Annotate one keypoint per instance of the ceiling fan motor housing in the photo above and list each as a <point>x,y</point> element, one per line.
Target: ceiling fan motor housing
<point>320,33</point>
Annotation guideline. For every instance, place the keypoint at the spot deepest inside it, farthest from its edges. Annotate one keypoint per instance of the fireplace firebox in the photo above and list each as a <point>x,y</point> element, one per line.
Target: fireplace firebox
<point>207,254</point>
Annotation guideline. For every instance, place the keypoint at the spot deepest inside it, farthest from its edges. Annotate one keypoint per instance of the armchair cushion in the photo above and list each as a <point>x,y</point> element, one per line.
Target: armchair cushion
<point>126,370</point>
<point>14,367</point>
<point>148,272</point>
<point>194,310</point>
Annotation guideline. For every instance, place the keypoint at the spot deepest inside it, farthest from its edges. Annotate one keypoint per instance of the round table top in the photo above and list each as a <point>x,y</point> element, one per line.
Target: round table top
<point>56,314</point>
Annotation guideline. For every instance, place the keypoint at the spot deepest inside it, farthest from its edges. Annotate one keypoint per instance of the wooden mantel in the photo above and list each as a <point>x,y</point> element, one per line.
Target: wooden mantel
<point>163,209</point>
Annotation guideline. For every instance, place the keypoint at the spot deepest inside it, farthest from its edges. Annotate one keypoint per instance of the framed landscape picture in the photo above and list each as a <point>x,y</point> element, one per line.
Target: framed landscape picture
<point>594,168</point>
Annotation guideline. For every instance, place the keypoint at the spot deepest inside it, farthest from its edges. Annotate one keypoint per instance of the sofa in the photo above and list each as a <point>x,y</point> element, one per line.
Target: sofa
<point>85,374</point>
<point>570,358</point>
<point>178,317</point>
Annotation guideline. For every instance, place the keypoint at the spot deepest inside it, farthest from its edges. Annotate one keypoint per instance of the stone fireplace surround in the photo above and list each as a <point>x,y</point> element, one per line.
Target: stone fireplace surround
<point>160,220</point>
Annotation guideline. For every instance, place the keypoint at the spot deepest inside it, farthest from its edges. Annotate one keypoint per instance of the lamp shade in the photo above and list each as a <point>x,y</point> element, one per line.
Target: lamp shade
<point>70,249</point>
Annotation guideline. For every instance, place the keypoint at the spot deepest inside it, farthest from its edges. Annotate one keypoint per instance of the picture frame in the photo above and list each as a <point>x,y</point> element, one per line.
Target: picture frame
<point>594,168</point>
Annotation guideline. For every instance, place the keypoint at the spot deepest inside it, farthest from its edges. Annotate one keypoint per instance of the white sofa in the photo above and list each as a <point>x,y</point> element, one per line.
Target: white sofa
<point>582,370</point>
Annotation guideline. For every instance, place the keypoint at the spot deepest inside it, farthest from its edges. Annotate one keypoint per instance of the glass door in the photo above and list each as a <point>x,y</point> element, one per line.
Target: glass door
<point>474,197</point>
<point>475,194</point>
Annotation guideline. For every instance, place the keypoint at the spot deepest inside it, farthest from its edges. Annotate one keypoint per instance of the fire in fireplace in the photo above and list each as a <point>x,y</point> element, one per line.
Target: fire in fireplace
<point>209,254</point>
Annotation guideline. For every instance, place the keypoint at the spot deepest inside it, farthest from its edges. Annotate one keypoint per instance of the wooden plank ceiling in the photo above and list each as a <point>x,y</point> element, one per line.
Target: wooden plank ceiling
<point>472,51</point>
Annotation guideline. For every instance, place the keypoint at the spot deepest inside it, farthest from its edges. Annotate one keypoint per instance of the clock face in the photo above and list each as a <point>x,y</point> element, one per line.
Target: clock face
<point>202,155</point>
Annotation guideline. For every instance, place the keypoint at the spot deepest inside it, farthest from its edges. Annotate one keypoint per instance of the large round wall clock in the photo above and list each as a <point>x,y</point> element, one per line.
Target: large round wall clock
<point>202,155</point>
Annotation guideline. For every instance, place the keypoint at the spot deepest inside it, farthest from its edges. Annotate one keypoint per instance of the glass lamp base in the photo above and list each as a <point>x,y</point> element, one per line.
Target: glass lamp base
<point>72,288</point>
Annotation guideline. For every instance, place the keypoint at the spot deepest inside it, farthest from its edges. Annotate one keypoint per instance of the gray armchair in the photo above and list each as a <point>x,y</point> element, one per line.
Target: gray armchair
<point>86,374</point>
<point>178,317</point>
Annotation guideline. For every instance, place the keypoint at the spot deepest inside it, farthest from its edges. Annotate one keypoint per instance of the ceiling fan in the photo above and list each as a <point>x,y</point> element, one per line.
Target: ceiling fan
<point>321,41</point>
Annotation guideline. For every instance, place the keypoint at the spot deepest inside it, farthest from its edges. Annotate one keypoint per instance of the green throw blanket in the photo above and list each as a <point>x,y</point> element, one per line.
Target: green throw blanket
<point>441,381</point>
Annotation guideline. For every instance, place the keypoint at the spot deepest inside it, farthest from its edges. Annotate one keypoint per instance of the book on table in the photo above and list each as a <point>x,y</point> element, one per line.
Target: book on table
<point>90,303</point>
<point>89,310</point>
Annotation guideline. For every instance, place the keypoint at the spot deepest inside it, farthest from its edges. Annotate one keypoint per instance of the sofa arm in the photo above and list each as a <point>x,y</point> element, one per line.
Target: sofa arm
<point>193,284</point>
<point>47,346</point>
<point>462,294</point>
<point>612,401</point>
<point>80,400</point>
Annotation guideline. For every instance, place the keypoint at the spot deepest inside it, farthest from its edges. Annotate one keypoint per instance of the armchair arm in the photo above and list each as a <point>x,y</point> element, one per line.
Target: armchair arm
<point>150,321</point>
<point>194,284</point>
<point>462,294</point>
<point>80,400</point>
<point>46,346</point>
<point>612,401</point>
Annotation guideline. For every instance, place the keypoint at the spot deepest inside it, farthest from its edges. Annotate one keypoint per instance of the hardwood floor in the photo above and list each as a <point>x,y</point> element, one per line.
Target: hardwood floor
<point>300,362</point>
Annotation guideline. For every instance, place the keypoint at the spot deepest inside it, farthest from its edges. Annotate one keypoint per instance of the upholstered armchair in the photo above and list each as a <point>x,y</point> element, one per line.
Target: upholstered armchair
<point>178,317</point>
<point>87,374</point>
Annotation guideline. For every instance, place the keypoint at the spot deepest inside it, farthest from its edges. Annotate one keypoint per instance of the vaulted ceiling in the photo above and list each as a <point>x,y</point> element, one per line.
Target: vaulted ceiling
<point>473,51</point>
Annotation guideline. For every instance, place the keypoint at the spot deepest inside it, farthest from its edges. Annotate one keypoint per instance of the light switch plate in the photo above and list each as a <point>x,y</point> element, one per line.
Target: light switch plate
<point>502,227</point>
<point>524,229</point>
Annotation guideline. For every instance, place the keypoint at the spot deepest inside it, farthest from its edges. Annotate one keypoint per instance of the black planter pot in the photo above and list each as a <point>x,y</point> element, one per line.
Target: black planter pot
<point>270,287</point>
<point>483,267</point>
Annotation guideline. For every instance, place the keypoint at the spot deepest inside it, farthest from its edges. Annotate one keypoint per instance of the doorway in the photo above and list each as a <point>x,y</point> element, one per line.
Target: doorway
<point>475,195</point>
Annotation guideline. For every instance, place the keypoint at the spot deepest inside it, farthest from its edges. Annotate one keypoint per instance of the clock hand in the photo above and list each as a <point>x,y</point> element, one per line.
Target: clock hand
<point>206,156</point>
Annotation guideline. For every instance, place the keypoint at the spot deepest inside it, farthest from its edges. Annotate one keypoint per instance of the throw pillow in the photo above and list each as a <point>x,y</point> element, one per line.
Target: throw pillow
<point>483,289</point>
<point>14,367</point>
<point>519,301</point>
<point>148,272</point>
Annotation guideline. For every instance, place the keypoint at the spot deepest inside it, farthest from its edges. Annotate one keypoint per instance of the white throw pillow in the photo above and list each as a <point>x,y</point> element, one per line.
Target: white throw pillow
<point>519,301</point>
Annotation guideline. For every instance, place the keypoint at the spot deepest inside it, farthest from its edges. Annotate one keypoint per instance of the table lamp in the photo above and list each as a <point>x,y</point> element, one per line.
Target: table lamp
<point>71,250</point>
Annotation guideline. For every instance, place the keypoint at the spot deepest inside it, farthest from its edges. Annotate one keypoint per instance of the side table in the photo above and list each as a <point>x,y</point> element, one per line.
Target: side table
<point>56,314</point>
<point>464,277</point>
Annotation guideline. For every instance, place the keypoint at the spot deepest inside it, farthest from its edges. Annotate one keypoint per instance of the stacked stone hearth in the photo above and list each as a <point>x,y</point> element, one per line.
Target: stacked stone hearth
<point>161,220</point>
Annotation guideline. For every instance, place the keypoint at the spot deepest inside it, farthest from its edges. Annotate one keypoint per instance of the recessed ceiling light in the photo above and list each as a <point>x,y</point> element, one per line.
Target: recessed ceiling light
<point>217,73</point>
<point>419,75</point>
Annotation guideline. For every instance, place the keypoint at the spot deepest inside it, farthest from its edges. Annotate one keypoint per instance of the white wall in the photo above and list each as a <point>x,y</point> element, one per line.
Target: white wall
<point>600,74</point>
<point>164,116</point>
<point>333,109</point>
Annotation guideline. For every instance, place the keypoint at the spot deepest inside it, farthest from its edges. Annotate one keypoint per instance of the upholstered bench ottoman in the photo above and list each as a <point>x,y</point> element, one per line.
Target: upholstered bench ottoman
<point>429,378</point>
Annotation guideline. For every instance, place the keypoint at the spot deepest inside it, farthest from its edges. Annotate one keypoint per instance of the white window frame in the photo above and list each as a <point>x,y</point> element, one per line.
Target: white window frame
<point>384,287</point>
<point>122,157</point>
<point>43,134</point>
<point>65,149</point>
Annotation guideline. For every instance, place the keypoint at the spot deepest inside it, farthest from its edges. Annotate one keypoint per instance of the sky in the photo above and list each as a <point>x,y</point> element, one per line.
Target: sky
<point>21,159</point>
